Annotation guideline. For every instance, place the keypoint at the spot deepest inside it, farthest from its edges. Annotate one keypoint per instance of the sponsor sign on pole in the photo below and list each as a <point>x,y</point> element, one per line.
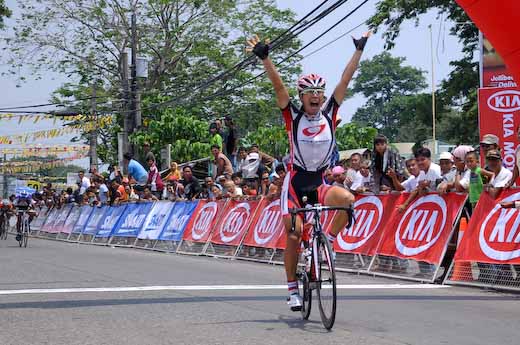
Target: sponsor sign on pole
<point>84,215</point>
<point>179,218</point>
<point>132,220</point>
<point>266,227</point>
<point>493,234</point>
<point>156,220</point>
<point>499,114</point>
<point>422,232</point>
<point>71,220</point>
<point>234,222</point>
<point>202,223</point>
<point>108,223</point>
<point>372,214</point>
<point>494,70</point>
<point>97,216</point>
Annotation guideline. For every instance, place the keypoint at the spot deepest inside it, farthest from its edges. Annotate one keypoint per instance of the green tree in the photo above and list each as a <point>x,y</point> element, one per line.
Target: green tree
<point>386,84</point>
<point>4,12</point>
<point>458,90</point>
<point>185,41</point>
<point>353,136</point>
<point>272,140</point>
<point>188,135</point>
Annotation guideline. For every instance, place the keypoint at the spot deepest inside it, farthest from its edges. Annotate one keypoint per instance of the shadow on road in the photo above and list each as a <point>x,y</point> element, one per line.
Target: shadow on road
<point>59,304</point>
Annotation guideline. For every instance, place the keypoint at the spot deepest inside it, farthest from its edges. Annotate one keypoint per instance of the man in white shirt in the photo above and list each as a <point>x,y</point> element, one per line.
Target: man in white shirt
<point>355,165</point>
<point>363,179</point>
<point>430,175</point>
<point>409,184</point>
<point>502,175</point>
<point>84,182</point>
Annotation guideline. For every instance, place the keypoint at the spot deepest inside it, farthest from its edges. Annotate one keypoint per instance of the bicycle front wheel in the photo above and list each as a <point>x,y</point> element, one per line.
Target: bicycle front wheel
<point>326,281</point>
<point>25,237</point>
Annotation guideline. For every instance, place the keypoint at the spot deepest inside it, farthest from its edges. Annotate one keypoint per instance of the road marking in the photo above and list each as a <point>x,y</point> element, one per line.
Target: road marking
<point>214,288</point>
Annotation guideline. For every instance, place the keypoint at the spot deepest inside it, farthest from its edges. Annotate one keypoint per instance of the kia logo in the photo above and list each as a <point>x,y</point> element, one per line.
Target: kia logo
<point>421,225</point>
<point>313,131</point>
<point>499,234</point>
<point>368,213</point>
<point>269,222</point>
<point>235,222</point>
<point>203,220</point>
<point>504,101</point>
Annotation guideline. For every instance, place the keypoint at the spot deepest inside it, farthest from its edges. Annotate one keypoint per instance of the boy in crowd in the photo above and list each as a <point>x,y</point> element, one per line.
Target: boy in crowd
<point>473,179</point>
<point>410,184</point>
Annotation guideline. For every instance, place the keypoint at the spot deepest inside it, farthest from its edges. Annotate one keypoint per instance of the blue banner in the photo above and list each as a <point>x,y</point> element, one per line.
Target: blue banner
<point>178,220</point>
<point>156,220</point>
<point>109,221</point>
<point>82,222</point>
<point>132,220</point>
<point>95,218</point>
<point>48,225</point>
<point>71,220</point>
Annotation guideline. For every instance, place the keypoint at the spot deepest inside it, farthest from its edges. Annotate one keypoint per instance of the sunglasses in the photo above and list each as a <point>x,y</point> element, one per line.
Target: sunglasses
<point>315,92</point>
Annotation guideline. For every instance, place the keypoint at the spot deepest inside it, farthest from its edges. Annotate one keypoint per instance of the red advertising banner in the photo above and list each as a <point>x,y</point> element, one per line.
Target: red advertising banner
<point>203,221</point>
<point>267,225</point>
<point>234,222</point>
<point>422,232</point>
<point>372,214</point>
<point>499,114</point>
<point>493,234</point>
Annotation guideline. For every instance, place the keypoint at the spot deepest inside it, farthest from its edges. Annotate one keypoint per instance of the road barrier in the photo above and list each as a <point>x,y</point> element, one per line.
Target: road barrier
<point>383,241</point>
<point>489,250</point>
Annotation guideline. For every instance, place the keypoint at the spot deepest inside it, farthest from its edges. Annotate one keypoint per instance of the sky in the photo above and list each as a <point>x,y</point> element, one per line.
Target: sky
<point>413,43</point>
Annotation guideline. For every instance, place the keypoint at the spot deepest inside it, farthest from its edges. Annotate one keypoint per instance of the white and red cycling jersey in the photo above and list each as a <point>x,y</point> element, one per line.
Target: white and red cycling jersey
<point>311,138</point>
<point>311,143</point>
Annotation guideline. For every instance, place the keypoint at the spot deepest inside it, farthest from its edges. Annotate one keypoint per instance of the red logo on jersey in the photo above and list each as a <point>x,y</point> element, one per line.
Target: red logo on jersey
<point>313,131</point>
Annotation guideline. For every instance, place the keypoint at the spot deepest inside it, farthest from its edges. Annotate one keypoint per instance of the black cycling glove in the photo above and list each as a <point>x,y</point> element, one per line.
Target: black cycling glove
<point>360,43</point>
<point>261,50</point>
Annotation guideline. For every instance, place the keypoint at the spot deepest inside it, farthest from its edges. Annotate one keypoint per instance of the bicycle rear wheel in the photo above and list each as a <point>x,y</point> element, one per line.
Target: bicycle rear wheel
<point>306,294</point>
<point>326,286</point>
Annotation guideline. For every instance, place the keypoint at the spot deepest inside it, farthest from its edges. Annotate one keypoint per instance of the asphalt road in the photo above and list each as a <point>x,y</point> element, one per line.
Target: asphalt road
<point>189,306</point>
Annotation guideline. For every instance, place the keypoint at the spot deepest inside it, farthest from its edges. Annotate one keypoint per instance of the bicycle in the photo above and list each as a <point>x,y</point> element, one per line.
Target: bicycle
<point>319,270</point>
<point>25,229</point>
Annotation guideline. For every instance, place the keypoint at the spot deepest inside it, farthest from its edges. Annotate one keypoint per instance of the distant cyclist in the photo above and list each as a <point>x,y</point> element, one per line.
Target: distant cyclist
<point>23,203</point>
<point>6,211</point>
<point>311,130</point>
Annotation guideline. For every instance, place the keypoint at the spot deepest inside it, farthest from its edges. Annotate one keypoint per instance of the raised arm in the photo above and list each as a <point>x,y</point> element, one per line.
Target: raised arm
<point>262,51</point>
<point>350,69</point>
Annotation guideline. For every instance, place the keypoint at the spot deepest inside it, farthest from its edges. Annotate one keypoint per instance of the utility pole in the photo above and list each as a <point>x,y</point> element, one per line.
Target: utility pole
<point>126,113</point>
<point>134,99</point>
<point>433,94</point>
<point>94,131</point>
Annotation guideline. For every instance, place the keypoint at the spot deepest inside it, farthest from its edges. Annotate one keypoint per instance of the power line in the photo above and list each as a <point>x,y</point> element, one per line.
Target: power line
<point>230,91</point>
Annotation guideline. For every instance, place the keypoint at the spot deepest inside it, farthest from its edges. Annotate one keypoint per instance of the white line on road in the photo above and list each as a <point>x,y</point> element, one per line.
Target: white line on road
<point>213,288</point>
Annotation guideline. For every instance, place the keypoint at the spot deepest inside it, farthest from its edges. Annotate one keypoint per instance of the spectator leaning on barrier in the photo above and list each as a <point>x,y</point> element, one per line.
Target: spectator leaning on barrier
<point>232,191</point>
<point>216,192</point>
<point>102,191</point>
<point>174,190</point>
<point>384,160</point>
<point>148,195</point>
<point>191,185</point>
<point>409,184</point>
<point>136,171</point>
<point>263,189</point>
<point>427,180</point>
<point>502,175</point>
<point>154,179</point>
<point>474,178</point>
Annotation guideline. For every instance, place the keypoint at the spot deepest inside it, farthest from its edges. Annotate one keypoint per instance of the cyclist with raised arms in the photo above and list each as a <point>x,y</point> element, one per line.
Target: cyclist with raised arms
<point>311,130</point>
